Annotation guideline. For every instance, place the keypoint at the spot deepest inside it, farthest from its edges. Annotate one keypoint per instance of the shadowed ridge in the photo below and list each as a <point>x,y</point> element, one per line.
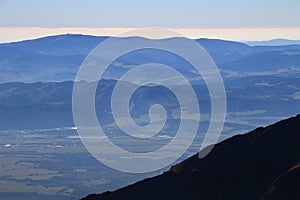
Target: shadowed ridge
<point>286,186</point>
<point>242,167</point>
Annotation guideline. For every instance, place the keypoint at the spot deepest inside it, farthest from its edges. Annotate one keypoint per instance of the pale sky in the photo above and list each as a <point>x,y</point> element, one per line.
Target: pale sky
<point>225,19</point>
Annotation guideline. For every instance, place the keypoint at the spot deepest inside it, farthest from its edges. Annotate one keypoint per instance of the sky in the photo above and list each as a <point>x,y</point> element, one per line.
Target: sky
<point>52,16</point>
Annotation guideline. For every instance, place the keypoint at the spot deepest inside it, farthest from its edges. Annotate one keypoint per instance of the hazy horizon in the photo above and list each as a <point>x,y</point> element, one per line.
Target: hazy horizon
<point>15,34</point>
<point>229,20</point>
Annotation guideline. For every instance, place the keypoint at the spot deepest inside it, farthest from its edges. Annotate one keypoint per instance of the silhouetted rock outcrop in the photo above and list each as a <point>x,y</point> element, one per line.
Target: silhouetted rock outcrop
<point>262,164</point>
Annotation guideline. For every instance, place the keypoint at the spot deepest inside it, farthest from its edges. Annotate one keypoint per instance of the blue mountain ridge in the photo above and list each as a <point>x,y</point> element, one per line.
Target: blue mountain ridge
<point>57,58</point>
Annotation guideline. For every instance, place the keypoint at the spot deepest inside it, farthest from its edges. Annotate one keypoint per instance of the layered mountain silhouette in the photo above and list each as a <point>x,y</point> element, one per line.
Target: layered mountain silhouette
<point>58,58</point>
<point>262,164</point>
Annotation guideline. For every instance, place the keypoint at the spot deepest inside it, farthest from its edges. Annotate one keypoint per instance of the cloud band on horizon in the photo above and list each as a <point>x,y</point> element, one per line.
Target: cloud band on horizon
<point>11,34</point>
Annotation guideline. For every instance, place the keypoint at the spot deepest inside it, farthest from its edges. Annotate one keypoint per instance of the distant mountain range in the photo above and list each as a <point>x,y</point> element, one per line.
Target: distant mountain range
<point>251,101</point>
<point>57,58</point>
<point>261,83</point>
<point>274,42</point>
<point>262,164</point>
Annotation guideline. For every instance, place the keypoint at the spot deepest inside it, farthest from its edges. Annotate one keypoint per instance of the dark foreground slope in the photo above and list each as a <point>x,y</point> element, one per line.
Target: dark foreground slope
<point>263,164</point>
